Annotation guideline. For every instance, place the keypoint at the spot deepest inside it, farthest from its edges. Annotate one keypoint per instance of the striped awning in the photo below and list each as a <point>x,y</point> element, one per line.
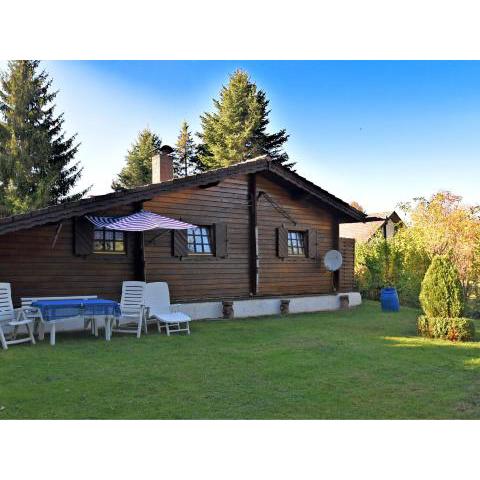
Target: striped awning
<point>139,222</point>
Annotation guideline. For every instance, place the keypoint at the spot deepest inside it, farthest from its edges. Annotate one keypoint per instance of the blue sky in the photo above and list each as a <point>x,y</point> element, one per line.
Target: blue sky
<point>376,132</point>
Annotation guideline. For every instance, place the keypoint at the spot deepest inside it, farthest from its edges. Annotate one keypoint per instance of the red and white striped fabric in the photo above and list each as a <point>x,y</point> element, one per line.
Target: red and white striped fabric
<point>139,222</point>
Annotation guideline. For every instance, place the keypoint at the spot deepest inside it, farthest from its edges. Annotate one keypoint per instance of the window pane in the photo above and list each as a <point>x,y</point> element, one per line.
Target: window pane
<point>108,241</point>
<point>296,245</point>
<point>198,240</point>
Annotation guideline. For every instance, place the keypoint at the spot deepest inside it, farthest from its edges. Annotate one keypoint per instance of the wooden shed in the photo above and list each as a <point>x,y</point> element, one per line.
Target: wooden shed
<point>262,233</point>
<point>385,223</point>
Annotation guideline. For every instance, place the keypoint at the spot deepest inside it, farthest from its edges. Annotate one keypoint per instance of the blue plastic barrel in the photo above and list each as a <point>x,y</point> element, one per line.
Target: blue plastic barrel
<point>389,299</point>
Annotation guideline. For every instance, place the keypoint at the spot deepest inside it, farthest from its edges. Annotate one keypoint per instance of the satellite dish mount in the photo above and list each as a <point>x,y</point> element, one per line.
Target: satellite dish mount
<point>333,261</point>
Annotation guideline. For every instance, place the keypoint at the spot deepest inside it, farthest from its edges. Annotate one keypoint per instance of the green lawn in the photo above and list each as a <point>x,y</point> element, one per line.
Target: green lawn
<point>356,364</point>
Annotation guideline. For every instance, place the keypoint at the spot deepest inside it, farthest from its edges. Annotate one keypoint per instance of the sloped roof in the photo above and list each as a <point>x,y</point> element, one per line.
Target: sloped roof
<point>386,215</point>
<point>362,232</point>
<point>64,211</point>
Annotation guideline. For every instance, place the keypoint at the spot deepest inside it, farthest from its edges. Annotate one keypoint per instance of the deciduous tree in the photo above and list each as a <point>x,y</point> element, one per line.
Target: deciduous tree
<point>356,205</point>
<point>446,226</point>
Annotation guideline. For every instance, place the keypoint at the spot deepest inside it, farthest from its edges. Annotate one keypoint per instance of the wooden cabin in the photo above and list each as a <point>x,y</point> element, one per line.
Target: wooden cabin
<point>264,231</point>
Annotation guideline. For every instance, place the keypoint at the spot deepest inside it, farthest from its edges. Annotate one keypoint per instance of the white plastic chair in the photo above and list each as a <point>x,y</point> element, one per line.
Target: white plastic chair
<point>12,318</point>
<point>157,303</point>
<point>132,307</point>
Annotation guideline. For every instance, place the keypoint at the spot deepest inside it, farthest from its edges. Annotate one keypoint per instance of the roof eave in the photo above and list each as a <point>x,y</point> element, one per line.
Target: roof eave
<point>58,213</point>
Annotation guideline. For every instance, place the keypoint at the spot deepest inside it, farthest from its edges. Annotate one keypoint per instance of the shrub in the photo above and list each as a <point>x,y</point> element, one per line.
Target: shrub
<point>399,261</point>
<point>422,326</point>
<point>456,329</point>
<point>441,294</point>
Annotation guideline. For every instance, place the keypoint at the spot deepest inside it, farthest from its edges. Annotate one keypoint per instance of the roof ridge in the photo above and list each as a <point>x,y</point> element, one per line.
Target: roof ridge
<point>56,213</point>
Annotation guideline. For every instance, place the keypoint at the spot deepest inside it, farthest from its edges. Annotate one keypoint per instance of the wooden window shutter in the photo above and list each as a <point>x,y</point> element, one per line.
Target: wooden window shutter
<point>83,236</point>
<point>282,242</point>
<point>221,240</point>
<point>180,247</point>
<point>312,243</point>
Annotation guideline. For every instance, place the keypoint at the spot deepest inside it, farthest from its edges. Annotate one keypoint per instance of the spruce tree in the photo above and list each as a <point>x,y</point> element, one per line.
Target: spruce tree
<point>236,130</point>
<point>138,168</point>
<point>36,167</point>
<point>269,143</point>
<point>185,156</point>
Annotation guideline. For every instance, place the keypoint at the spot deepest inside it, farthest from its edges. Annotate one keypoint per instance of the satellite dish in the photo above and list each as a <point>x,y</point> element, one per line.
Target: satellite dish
<point>333,260</point>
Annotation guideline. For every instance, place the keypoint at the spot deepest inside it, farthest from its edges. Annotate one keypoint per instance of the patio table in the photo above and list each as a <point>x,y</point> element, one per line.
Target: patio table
<point>55,311</point>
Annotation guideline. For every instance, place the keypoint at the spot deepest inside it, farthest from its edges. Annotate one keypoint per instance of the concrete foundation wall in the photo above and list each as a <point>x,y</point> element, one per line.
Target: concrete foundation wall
<point>267,306</point>
<point>242,308</point>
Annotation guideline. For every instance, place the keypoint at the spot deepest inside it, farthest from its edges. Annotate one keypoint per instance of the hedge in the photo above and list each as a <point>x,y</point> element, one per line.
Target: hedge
<point>457,329</point>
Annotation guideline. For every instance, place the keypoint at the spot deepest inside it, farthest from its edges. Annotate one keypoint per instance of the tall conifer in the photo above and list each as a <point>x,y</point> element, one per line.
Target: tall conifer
<point>185,157</point>
<point>237,128</point>
<point>36,157</point>
<point>138,168</point>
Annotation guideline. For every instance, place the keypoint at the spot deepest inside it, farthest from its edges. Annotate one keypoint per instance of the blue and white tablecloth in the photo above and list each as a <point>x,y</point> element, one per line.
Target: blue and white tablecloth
<point>59,310</point>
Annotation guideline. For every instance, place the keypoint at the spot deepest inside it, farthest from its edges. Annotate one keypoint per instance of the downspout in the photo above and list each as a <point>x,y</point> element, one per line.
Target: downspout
<point>336,246</point>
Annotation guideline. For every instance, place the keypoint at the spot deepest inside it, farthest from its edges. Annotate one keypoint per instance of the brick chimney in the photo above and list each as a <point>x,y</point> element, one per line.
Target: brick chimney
<point>162,165</point>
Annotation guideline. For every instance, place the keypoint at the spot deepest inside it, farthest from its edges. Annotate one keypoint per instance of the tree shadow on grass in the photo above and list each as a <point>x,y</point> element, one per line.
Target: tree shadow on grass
<point>472,347</point>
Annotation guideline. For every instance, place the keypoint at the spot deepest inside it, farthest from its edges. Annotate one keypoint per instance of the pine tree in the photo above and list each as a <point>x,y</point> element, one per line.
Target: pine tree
<point>36,167</point>
<point>185,157</point>
<point>138,168</point>
<point>236,130</point>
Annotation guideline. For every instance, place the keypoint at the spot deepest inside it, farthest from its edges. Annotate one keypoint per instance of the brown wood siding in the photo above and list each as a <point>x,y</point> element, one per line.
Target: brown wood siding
<point>29,263</point>
<point>203,277</point>
<point>347,249</point>
<point>291,275</point>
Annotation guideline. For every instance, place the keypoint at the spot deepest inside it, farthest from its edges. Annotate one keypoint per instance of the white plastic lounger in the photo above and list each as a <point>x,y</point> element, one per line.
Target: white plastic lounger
<point>132,307</point>
<point>12,318</point>
<point>157,303</point>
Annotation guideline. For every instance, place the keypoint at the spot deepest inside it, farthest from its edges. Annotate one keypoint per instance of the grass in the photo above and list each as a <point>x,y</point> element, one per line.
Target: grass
<point>360,364</point>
